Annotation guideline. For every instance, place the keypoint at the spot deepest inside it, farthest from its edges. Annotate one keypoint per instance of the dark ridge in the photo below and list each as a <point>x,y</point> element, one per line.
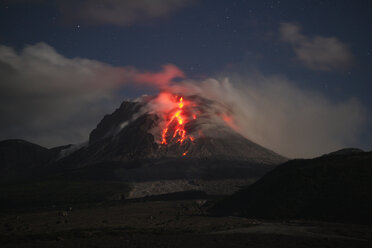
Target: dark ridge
<point>18,158</point>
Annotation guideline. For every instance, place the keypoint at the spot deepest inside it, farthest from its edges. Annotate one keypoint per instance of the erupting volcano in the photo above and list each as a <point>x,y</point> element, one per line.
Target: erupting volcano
<point>176,124</point>
<point>173,138</point>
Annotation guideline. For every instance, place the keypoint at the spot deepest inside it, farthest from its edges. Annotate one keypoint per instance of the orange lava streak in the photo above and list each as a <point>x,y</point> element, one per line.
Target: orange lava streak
<point>179,130</point>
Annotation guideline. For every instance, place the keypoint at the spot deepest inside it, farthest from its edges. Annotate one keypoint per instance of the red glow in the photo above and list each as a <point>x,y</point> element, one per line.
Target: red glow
<point>176,123</point>
<point>161,79</point>
<point>229,121</point>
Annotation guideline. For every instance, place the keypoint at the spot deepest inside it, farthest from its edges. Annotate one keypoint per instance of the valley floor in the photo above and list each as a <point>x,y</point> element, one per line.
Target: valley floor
<point>145,223</point>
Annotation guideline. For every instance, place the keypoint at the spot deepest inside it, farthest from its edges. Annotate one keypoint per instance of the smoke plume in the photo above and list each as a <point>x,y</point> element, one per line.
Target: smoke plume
<point>276,114</point>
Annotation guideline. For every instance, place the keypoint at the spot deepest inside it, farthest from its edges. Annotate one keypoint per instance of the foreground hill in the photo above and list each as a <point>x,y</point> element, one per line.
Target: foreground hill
<point>335,187</point>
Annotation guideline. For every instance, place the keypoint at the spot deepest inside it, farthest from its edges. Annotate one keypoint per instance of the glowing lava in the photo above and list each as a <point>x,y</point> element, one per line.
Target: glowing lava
<point>176,122</point>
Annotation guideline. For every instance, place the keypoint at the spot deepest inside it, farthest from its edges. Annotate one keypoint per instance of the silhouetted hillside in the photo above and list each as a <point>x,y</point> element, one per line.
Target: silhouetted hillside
<point>19,158</point>
<point>335,187</point>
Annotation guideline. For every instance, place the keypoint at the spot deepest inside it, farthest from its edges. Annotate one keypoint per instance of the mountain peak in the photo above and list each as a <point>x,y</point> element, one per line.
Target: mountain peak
<point>188,128</point>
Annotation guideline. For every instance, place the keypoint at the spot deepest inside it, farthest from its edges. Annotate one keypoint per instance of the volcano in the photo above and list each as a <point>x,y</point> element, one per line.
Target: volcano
<point>157,144</point>
<point>189,130</point>
<point>170,143</point>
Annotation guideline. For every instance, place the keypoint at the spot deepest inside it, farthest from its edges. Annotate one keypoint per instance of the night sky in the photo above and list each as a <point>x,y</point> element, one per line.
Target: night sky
<point>320,48</point>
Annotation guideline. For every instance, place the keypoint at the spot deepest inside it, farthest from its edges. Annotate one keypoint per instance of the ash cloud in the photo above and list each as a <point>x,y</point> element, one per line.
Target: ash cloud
<point>317,53</point>
<point>273,112</point>
<point>53,100</point>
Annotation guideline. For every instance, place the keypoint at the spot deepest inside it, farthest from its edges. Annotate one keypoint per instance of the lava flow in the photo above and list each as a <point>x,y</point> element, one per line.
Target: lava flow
<point>176,124</point>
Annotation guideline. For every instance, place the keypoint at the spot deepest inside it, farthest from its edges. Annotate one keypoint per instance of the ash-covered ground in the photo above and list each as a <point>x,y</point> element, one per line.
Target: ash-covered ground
<point>166,223</point>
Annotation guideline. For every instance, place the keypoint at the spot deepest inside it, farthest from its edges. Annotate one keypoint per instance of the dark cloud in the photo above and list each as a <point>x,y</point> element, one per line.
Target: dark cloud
<point>114,12</point>
<point>50,99</point>
<point>317,53</point>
